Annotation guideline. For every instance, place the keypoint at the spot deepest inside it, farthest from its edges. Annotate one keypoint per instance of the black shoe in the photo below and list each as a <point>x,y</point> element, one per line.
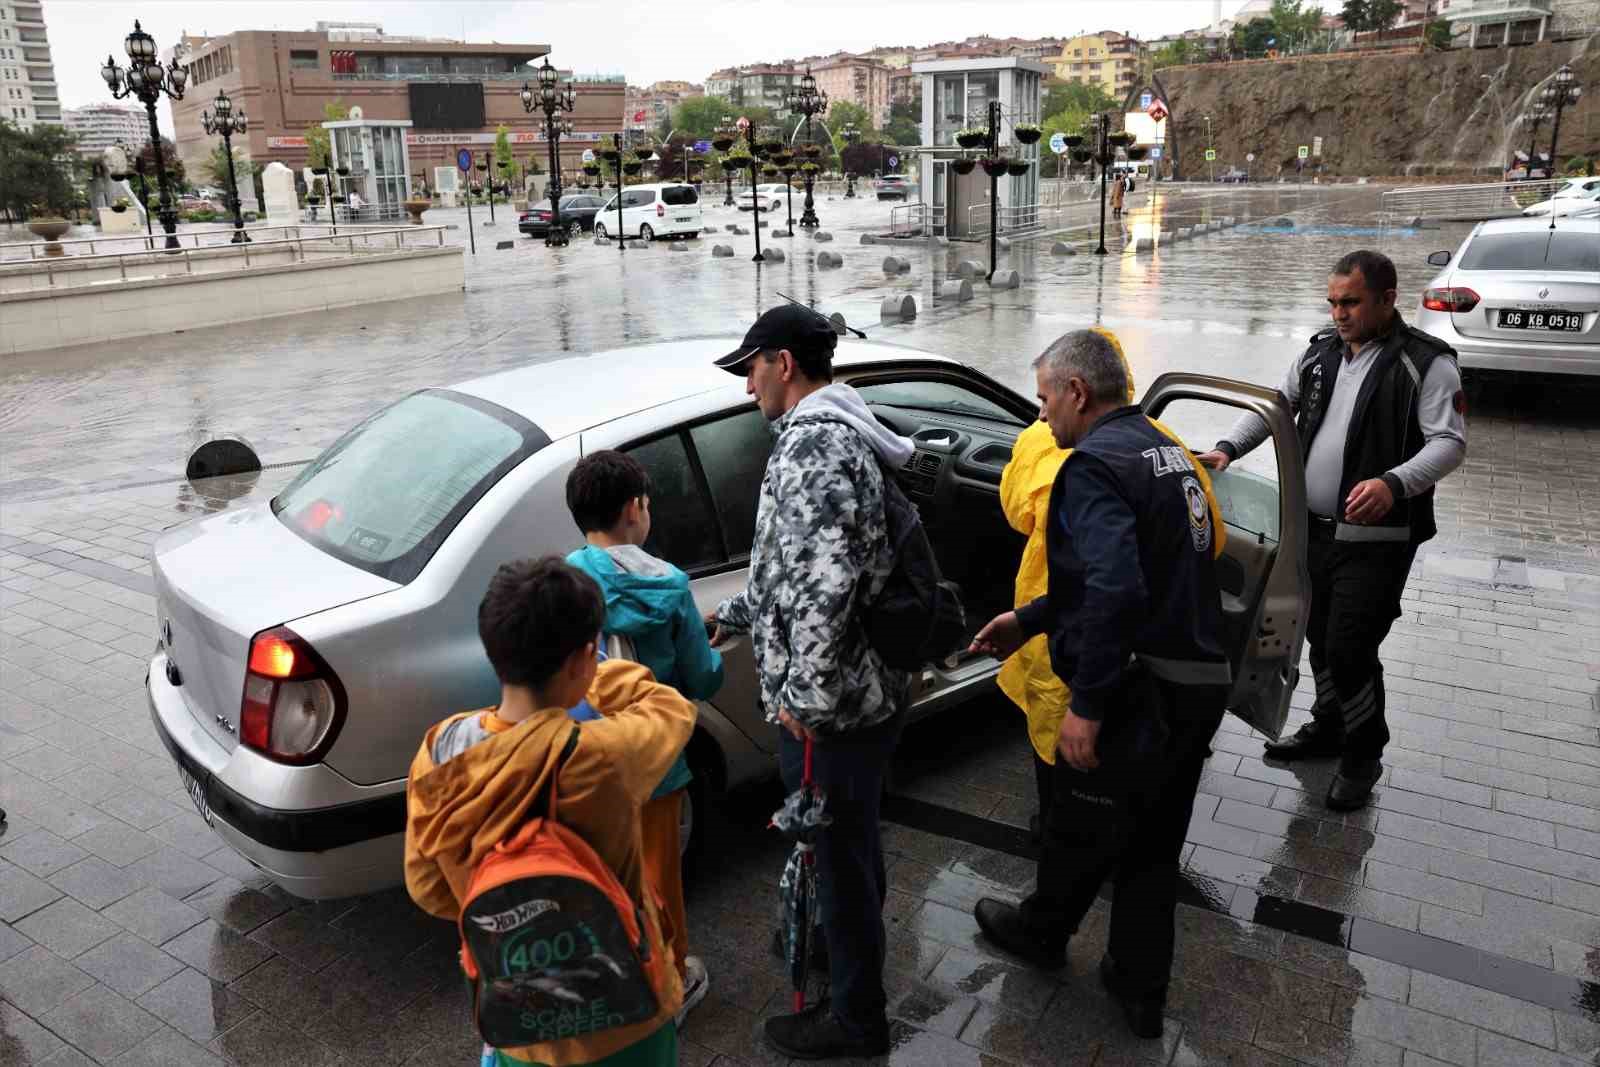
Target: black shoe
<point>1143,1013</point>
<point>819,949</point>
<point>1036,829</point>
<point>814,1034</point>
<point>1311,741</point>
<point>1352,785</point>
<point>1003,926</point>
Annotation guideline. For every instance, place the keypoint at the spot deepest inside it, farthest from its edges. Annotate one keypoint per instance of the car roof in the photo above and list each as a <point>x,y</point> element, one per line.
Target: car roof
<point>1541,222</point>
<point>568,396</point>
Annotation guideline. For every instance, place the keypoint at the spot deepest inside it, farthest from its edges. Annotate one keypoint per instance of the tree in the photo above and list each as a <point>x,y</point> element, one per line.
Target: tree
<point>319,152</point>
<point>1356,16</point>
<point>1078,96</point>
<point>36,169</point>
<point>176,173</point>
<point>1176,53</point>
<point>697,117</point>
<point>1254,38</point>
<point>1438,34</point>
<point>905,123</point>
<point>245,169</point>
<point>1382,14</point>
<point>504,161</point>
<point>1294,22</point>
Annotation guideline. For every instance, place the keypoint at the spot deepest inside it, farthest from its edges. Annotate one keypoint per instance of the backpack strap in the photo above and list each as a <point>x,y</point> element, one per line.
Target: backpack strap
<point>549,806</point>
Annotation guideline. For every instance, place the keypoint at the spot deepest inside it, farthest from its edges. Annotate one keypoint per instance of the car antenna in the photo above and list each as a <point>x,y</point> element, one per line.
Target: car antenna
<point>838,323</point>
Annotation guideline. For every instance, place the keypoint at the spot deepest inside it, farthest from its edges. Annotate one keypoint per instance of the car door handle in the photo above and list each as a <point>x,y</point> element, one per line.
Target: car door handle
<point>728,644</point>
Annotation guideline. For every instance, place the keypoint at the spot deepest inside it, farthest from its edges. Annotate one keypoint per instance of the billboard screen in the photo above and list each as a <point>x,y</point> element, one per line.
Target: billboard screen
<point>446,106</point>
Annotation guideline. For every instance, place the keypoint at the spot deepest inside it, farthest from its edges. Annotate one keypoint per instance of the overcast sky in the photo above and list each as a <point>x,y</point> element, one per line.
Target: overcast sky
<point>646,41</point>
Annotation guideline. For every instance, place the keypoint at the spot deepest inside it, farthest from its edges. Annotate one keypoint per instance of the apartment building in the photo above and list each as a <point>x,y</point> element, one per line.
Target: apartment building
<point>101,126</point>
<point>1108,59</point>
<point>858,80</point>
<point>28,94</point>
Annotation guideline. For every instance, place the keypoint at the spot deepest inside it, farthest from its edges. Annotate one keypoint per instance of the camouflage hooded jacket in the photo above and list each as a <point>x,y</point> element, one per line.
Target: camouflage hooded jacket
<point>821,550</point>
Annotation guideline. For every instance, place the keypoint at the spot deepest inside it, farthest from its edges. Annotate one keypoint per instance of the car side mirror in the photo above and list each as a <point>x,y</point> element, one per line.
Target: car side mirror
<point>1439,259</point>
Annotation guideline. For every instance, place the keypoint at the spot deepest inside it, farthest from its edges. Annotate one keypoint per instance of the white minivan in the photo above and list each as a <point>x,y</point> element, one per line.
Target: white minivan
<point>665,209</point>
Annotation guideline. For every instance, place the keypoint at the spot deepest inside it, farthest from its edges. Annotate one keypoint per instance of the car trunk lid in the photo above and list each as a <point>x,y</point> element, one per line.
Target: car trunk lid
<point>1532,293</point>
<point>224,579</point>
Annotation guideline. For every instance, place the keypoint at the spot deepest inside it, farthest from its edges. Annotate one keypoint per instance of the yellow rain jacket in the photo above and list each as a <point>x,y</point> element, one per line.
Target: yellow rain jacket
<point>1027,677</point>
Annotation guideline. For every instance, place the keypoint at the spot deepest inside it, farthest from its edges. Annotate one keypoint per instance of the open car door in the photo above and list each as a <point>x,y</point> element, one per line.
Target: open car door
<point>1266,587</point>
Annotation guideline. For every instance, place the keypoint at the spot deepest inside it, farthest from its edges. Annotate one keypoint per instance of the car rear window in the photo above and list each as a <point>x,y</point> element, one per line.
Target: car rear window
<point>386,495</point>
<point>679,195</point>
<point>1543,249</point>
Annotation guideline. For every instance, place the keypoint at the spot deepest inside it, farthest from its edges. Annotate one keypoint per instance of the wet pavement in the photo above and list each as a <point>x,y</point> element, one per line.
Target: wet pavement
<point>1455,921</point>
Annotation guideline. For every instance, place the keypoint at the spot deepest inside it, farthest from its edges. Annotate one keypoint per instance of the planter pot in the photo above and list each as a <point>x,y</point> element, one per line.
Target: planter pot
<point>643,153</point>
<point>969,140</point>
<point>1016,168</point>
<point>632,167</point>
<point>812,150</point>
<point>321,172</point>
<point>722,144</point>
<point>591,169</point>
<point>964,166</point>
<point>611,155</point>
<point>415,208</point>
<point>119,208</point>
<point>1073,140</point>
<point>1080,155</point>
<point>313,200</point>
<point>994,167</point>
<point>1027,136</point>
<point>344,172</point>
<point>1137,153</point>
<point>52,230</point>
<point>1121,139</point>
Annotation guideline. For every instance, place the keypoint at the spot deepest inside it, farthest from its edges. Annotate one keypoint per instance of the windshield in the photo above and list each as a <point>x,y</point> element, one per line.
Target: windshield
<point>934,396</point>
<point>386,495</point>
<point>1541,249</point>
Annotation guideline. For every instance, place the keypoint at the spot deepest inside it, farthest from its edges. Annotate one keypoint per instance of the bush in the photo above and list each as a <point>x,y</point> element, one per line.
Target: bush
<point>200,216</point>
<point>1578,166</point>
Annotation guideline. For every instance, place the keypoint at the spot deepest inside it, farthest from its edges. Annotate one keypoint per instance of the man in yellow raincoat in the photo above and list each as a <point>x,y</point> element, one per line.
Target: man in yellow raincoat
<point>1027,677</point>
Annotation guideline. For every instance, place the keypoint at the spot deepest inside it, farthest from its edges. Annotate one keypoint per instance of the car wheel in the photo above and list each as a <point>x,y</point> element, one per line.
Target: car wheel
<point>773,206</point>
<point>646,233</point>
<point>575,230</point>
<point>599,229</point>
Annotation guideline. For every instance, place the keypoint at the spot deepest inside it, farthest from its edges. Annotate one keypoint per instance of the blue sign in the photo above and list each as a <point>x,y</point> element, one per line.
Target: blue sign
<point>1155,153</point>
<point>1144,101</point>
<point>894,161</point>
<point>1058,143</point>
<point>464,159</point>
<point>702,146</point>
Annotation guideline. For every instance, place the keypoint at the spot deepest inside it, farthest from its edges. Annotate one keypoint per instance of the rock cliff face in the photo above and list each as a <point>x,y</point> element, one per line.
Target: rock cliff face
<point>1445,113</point>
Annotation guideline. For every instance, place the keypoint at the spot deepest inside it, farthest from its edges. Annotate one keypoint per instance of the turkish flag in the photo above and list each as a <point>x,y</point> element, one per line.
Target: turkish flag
<point>638,116</point>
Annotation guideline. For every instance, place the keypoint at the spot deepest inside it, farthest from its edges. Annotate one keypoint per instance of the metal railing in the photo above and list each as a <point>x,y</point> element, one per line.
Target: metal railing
<point>1467,202</point>
<point>908,219</point>
<point>220,237</point>
<point>350,243</point>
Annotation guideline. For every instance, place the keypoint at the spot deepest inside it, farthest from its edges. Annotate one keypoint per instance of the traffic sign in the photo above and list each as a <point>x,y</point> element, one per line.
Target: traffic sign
<point>1305,152</point>
<point>1058,143</point>
<point>1156,110</point>
<point>464,159</point>
<point>702,146</point>
<point>1155,153</point>
<point>588,155</point>
<point>1316,146</point>
<point>1249,157</point>
<point>1211,154</point>
<point>1144,101</point>
<point>894,161</point>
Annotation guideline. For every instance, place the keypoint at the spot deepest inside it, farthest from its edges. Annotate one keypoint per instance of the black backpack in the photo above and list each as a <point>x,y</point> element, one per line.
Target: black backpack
<point>917,617</point>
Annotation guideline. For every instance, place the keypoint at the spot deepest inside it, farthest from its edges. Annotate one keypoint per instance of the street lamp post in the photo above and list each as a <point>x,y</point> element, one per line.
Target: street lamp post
<point>223,119</point>
<point>851,135</point>
<point>1564,91</point>
<point>1535,118</point>
<point>556,103</point>
<point>147,79</point>
<point>1211,164</point>
<point>1102,122</point>
<point>724,133</point>
<point>809,101</point>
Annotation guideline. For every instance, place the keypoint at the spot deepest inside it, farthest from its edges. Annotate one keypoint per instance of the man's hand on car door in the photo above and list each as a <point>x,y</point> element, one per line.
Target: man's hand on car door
<point>1000,638</point>
<point>1215,460</point>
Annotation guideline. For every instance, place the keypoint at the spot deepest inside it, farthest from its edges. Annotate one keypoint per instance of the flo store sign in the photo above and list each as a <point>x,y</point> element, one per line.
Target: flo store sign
<point>451,140</point>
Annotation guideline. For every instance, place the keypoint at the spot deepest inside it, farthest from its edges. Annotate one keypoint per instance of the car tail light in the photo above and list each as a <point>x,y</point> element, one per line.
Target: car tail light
<point>522,217</point>
<point>661,211</point>
<point>293,704</point>
<point>1456,299</point>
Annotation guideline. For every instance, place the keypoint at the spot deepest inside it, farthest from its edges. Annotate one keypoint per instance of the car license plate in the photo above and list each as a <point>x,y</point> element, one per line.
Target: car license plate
<point>197,793</point>
<point>683,218</point>
<point>1548,319</point>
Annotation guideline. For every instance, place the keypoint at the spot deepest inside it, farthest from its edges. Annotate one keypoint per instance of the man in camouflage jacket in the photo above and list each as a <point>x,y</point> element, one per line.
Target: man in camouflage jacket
<point>821,551</point>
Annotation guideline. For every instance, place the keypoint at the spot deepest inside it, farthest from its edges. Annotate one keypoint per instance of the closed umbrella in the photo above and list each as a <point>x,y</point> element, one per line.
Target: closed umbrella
<point>802,815</point>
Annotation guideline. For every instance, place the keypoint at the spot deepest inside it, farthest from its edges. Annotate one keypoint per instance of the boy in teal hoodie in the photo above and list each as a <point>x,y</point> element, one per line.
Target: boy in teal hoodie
<point>648,602</point>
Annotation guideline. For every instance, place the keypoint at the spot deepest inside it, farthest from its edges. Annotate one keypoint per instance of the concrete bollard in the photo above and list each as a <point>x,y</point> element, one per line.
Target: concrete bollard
<point>895,265</point>
<point>1061,248</point>
<point>837,318</point>
<point>1185,232</point>
<point>1167,237</point>
<point>1228,220</point>
<point>773,255</point>
<point>822,235</point>
<point>500,246</point>
<point>731,227</point>
<point>902,307</point>
<point>740,231</point>
<point>868,239</point>
<point>968,269</point>
<point>721,251</point>
<point>1005,279</point>
<point>679,246</point>
<point>1145,244</point>
<point>829,259</point>
<point>958,292</point>
<point>224,455</point>
<point>1002,242</point>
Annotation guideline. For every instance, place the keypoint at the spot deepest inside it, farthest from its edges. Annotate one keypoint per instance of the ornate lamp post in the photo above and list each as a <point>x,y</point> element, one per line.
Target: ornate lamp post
<point>808,100</point>
<point>722,140</point>
<point>1534,118</point>
<point>555,103</point>
<point>1101,123</point>
<point>1564,90</point>
<point>147,79</point>
<point>223,119</point>
<point>851,135</point>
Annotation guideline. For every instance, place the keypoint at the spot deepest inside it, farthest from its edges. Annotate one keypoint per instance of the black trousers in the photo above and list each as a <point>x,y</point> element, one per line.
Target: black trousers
<point>1355,598</point>
<point>1128,822</point>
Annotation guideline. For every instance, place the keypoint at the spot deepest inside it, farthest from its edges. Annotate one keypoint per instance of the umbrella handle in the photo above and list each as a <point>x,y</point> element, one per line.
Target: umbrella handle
<point>805,775</point>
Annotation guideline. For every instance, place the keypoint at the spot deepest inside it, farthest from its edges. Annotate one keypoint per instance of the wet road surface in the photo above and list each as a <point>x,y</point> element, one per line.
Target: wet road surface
<point>1457,920</point>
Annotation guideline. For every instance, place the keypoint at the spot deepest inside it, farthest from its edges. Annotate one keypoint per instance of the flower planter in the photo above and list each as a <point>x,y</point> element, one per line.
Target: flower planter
<point>964,166</point>
<point>1121,139</point>
<point>415,208</point>
<point>722,144</point>
<point>1138,152</point>
<point>591,169</point>
<point>1017,168</point>
<point>313,200</point>
<point>994,168</point>
<point>321,172</point>
<point>611,155</point>
<point>52,229</point>
<point>119,208</point>
<point>812,151</point>
<point>1028,134</point>
<point>344,172</point>
<point>643,153</point>
<point>970,139</point>
<point>1080,155</point>
<point>1073,140</point>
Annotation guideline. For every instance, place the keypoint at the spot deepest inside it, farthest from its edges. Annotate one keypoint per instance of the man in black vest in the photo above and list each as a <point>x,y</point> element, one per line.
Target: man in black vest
<point>1381,418</point>
<point>1134,620</point>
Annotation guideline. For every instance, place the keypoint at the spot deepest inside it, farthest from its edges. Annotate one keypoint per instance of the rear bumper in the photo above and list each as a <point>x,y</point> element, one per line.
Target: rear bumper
<point>1513,354</point>
<point>331,851</point>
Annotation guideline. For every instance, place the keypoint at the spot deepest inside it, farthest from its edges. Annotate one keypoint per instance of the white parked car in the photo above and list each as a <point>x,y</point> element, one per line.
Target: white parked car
<point>1520,294</point>
<point>769,197</point>
<point>665,209</point>
<point>1580,197</point>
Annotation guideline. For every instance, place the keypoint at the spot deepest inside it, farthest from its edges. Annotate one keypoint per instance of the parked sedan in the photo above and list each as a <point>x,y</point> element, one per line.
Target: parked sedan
<point>1233,175</point>
<point>769,197</point>
<point>306,643</point>
<point>893,187</point>
<point>1580,197</point>
<point>577,215</point>
<point>1520,294</point>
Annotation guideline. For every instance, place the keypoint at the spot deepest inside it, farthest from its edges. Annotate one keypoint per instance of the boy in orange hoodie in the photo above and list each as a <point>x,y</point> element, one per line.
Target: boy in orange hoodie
<point>480,775</point>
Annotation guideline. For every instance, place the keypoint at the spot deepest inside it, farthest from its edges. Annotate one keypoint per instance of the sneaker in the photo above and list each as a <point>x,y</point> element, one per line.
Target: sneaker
<point>814,1034</point>
<point>696,984</point>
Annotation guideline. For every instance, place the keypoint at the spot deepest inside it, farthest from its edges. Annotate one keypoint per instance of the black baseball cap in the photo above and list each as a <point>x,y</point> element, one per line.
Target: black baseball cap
<point>807,333</point>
